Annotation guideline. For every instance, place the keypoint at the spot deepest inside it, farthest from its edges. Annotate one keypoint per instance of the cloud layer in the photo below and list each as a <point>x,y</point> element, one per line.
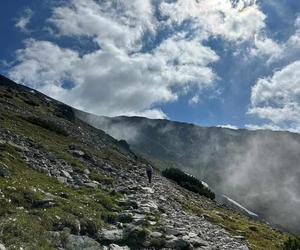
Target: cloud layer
<point>146,53</point>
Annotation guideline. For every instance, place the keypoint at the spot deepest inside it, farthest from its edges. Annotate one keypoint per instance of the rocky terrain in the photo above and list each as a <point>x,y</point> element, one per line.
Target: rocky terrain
<point>67,185</point>
<point>253,168</point>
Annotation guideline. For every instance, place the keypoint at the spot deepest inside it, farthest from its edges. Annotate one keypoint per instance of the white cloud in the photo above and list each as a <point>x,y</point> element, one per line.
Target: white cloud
<point>278,51</point>
<point>23,21</point>
<point>42,64</point>
<point>228,126</point>
<point>264,46</point>
<point>194,100</point>
<point>119,77</point>
<point>277,98</point>
<point>111,24</point>
<point>263,127</point>
<point>232,20</point>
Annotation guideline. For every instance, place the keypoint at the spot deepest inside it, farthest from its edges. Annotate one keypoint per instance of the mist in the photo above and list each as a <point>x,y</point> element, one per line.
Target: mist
<point>265,177</point>
<point>258,169</point>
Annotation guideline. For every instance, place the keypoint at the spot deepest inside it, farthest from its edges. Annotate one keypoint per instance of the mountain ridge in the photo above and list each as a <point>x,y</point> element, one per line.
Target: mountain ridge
<point>67,185</point>
<point>252,167</point>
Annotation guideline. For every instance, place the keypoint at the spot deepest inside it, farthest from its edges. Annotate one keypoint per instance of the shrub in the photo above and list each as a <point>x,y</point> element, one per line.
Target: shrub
<point>188,182</point>
<point>292,244</point>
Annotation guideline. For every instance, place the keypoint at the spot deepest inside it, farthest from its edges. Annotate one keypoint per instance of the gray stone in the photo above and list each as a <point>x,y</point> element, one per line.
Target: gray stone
<point>86,171</point>
<point>4,172</point>
<point>91,185</point>
<point>156,235</point>
<point>198,242</point>
<point>117,247</point>
<point>173,231</point>
<point>74,242</point>
<point>111,235</point>
<point>2,247</point>
<point>78,153</point>
<point>177,243</point>
<point>148,190</point>
<point>62,179</point>
<point>66,174</point>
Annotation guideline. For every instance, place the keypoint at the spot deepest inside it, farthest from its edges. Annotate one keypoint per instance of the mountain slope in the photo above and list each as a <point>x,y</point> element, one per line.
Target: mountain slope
<point>67,185</point>
<point>259,169</point>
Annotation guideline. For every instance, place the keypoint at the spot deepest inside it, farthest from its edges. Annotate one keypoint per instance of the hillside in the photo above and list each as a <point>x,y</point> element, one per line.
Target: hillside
<point>67,185</point>
<point>259,169</point>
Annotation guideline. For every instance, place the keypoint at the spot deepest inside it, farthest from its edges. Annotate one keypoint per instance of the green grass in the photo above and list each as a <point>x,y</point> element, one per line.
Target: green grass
<point>23,223</point>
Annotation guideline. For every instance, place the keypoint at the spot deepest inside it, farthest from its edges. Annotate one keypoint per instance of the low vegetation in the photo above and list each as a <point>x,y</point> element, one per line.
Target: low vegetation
<point>292,244</point>
<point>25,217</point>
<point>187,181</point>
<point>259,235</point>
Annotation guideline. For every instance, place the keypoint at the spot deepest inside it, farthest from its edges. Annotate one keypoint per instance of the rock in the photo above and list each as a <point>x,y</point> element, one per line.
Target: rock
<point>192,235</point>
<point>54,237</point>
<point>177,243</point>
<point>126,204</point>
<point>156,235</point>
<point>148,190</point>
<point>173,231</point>
<point>117,247</point>
<point>74,242</point>
<point>4,172</point>
<point>149,205</point>
<point>152,223</point>
<point>239,237</point>
<point>18,147</point>
<point>72,147</point>
<point>198,242</point>
<point>2,247</point>
<point>91,185</point>
<point>78,153</point>
<point>61,179</point>
<point>43,203</point>
<point>111,235</point>
<point>86,171</point>
<point>66,174</point>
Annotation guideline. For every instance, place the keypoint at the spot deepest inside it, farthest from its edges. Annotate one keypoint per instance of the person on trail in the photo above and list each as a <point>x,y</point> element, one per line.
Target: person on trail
<point>149,171</point>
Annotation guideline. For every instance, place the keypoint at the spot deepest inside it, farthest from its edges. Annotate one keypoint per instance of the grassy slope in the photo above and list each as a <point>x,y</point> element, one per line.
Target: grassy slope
<point>23,223</point>
<point>20,222</point>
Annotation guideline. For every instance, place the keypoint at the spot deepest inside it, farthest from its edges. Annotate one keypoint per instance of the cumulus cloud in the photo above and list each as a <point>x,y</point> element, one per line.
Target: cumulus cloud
<point>122,76</point>
<point>274,51</point>
<point>231,20</point>
<point>277,98</point>
<point>23,21</point>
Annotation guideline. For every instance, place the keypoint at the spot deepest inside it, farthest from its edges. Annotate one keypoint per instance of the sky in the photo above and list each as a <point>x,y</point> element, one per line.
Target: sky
<point>228,63</point>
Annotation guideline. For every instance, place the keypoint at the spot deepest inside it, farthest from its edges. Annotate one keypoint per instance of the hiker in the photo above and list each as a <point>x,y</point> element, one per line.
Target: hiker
<point>149,171</point>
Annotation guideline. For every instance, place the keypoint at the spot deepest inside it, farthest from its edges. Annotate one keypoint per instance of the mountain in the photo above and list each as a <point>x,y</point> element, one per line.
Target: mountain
<point>258,169</point>
<point>67,185</point>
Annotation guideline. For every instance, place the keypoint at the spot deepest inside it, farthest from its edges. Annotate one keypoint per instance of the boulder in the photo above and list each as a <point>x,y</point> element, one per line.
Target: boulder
<point>111,235</point>
<point>176,243</point>
<point>117,247</point>
<point>155,235</point>
<point>2,247</point>
<point>91,185</point>
<point>75,242</point>
<point>66,174</point>
<point>198,242</point>
<point>4,172</point>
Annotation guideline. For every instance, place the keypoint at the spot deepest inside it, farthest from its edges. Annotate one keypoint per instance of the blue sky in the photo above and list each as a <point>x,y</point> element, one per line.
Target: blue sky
<point>230,63</point>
